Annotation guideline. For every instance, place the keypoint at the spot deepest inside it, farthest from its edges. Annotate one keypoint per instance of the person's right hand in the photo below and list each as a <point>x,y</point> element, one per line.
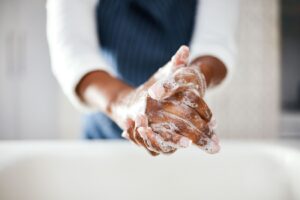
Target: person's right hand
<point>168,112</point>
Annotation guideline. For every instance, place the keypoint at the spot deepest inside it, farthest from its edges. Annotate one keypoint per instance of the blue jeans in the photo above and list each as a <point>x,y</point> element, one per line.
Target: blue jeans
<point>99,126</point>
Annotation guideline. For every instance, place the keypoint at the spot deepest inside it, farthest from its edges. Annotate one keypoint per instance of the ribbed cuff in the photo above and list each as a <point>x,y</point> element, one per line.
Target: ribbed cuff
<point>70,79</point>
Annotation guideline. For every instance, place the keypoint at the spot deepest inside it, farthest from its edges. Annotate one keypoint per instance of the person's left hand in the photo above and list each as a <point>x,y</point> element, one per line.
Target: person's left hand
<point>174,110</point>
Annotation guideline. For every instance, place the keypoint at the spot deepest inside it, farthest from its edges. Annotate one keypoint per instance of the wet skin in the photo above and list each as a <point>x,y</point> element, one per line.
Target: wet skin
<point>165,113</point>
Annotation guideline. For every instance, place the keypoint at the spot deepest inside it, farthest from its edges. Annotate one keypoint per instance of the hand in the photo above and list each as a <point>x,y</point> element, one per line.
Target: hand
<point>168,112</point>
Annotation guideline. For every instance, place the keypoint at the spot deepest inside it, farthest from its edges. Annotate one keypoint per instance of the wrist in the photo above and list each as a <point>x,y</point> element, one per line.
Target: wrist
<point>118,106</point>
<point>212,68</point>
<point>100,90</point>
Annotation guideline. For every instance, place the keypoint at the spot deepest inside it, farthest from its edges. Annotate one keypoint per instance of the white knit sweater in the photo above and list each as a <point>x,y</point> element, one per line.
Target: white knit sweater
<point>74,48</point>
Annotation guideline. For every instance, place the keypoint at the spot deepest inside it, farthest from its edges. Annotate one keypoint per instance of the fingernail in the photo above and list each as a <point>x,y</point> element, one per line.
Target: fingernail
<point>185,142</point>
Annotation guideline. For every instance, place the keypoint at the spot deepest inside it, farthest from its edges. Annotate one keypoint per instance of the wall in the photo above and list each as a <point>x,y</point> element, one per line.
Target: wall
<point>248,106</point>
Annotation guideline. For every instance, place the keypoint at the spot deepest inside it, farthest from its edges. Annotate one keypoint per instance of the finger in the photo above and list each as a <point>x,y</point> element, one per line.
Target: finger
<point>183,127</point>
<point>142,121</point>
<point>182,80</point>
<point>190,99</point>
<point>181,57</point>
<point>201,134</point>
<point>200,138</point>
<point>203,110</point>
<point>187,114</point>
<point>192,78</point>
<point>140,139</point>
<point>155,141</point>
<point>215,138</point>
<point>128,133</point>
<point>129,124</point>
<point>163,86</point>
<point>152,153</point>
<point>209,145</point>
<point>167,132</point>
<point>163,89</point>
<point>201,79</point>
<point>148,139</point>
<point>131,133</point>
<point>212,124</point>
<point>170,152</point>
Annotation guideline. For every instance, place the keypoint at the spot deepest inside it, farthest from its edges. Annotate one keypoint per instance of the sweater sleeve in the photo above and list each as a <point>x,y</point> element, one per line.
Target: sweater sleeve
<point>73,44</point>
<point>214,31</point>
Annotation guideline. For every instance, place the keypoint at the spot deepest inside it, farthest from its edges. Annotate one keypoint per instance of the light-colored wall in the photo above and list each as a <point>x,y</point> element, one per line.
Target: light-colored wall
<point>70,120</point>
<point>248,107</point>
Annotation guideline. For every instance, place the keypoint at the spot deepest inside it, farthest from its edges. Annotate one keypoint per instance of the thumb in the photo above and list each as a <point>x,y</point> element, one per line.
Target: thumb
<point>158,90</point>
<point>179,59</point>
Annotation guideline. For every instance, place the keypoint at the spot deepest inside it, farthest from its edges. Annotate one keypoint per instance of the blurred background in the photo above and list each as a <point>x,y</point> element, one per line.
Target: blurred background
<point>262,100</point>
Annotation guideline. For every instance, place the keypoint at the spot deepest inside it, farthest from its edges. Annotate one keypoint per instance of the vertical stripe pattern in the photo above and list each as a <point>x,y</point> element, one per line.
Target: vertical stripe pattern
<point>140,36</point>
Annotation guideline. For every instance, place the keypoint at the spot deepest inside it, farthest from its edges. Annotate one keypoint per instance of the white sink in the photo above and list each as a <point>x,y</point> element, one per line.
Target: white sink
<point>119,170</point>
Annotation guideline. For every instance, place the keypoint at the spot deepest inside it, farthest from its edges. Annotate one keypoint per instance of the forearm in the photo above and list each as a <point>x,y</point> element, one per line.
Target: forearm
<point>213,69</point>
<point>100,90</point>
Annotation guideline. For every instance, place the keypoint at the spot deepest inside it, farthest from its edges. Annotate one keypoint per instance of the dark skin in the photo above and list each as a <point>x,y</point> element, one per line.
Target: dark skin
<point>107,93</point>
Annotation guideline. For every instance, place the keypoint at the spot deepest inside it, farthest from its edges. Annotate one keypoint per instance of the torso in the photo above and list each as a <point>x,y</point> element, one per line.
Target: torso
<point>139,36</point>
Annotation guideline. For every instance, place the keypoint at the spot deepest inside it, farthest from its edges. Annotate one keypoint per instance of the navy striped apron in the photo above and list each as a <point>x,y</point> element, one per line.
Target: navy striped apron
<point>139,36</point>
